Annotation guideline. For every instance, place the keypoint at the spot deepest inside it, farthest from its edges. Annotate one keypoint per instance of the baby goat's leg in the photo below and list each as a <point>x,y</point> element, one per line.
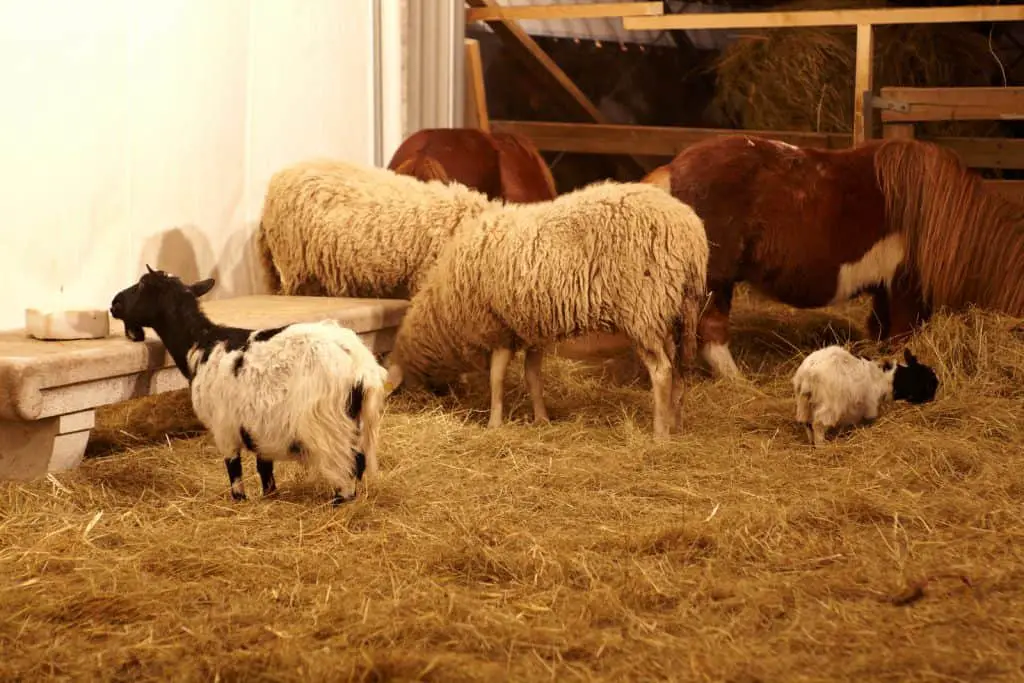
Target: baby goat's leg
<point>234,465</point>
<point>818,435</point>
<point>659,365</point>
<point>532,365</point>
<point>500,358</point>
<point>803,413</point>
<point>266,471</point>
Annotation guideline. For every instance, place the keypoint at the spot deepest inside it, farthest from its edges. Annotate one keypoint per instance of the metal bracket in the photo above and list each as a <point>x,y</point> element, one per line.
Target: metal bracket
<point>886,103</point>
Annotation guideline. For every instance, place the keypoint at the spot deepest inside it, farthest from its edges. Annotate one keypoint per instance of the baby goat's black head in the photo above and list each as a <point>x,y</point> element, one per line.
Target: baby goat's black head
<point>156,298</point>
<point>914,382</point>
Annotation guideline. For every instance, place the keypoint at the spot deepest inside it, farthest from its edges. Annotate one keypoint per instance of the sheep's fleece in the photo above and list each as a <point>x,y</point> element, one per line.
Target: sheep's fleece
<point>610,256</point>
<point>341,229</point>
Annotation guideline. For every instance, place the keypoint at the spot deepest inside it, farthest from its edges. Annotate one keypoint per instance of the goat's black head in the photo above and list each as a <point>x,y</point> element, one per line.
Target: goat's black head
<point>156,297</point>
<point>914,382</point>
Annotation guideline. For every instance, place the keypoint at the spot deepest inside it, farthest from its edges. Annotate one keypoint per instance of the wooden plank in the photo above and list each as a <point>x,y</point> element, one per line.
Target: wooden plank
<point>476,97</point>
<point>956,104</point>
<point>646,140</point>
<point>834,17</point>
<point>863,84</point>
<point>1010,189</point>
<point>597,10</point>
<point>986,152</point>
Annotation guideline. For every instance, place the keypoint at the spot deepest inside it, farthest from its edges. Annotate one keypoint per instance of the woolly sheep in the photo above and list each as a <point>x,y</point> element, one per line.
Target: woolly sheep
<point>835,388</point>
<point>294,392</point>
<point>341,229</point>
<point>610,257</point>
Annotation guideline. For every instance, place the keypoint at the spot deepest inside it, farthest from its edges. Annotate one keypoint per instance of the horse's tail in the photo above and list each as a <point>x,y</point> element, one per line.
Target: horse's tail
<point>269,268</point>
<point>660,177</point>
<point>960,239</point>
<point>423,167</point>
<point>525,146</point>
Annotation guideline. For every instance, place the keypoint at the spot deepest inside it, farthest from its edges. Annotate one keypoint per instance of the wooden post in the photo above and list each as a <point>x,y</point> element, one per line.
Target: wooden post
<point>898,131</point>
<point>476,96</point>
<point>863,84</point>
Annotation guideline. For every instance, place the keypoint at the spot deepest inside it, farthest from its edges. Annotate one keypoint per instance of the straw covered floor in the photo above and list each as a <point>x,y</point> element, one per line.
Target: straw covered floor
<point>578,551</point>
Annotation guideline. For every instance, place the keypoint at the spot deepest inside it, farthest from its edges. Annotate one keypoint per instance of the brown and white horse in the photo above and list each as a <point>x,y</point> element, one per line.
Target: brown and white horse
<point>903,220</point>
<point>500,165</point>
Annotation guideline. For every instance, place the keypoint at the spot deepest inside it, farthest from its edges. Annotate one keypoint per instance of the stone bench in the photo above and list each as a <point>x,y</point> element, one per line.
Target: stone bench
<point>49,390</point>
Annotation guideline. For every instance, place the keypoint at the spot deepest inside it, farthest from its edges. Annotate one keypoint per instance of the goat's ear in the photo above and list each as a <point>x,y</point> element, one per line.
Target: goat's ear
<point>149,269</point>
<point>909,357</point>
<point>202,287</point>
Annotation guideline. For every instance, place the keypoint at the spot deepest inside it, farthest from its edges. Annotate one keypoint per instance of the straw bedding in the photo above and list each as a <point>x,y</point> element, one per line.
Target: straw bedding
<point>579,551</point>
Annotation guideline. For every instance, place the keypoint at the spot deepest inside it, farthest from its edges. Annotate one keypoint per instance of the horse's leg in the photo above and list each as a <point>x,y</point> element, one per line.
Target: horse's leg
<point>895,313</point>
<point>714,333</point>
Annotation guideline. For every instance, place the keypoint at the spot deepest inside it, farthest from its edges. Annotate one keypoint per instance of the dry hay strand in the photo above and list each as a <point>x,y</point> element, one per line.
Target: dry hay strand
<point>802,79</point>
<point>582,550</point>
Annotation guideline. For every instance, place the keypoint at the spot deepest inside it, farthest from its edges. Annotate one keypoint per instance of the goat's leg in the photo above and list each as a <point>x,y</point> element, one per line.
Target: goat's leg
<point>265,468</point>
<point>659,365</point>
<point>234,466</point>
<point>803,414</point>
<point>818,433</point>
<point>534,381</point>
<point>500,358</point>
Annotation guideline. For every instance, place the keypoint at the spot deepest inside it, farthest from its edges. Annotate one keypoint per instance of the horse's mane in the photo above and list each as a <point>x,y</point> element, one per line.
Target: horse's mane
<point>423,167</point>
<point>512,139</point>
<point>965,242</point>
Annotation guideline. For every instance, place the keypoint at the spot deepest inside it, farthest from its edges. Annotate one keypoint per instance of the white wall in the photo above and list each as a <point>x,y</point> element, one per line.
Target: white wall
<point>145,131</point>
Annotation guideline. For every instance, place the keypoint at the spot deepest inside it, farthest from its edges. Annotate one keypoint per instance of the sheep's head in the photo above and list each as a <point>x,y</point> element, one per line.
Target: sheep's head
<point>152,298</point>
<point>914,382</point>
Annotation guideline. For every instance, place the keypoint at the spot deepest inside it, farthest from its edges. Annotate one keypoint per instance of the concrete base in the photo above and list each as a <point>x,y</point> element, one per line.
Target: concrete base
<point>49,390</point>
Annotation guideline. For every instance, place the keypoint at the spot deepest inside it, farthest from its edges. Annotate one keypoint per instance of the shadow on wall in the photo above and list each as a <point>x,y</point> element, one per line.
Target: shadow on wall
<point>182,251</point>
<point>178,251</point>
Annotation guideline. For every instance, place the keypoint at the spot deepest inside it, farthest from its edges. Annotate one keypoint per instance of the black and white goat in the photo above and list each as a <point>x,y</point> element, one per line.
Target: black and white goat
<point>835,388</point>
<point>296,392</point>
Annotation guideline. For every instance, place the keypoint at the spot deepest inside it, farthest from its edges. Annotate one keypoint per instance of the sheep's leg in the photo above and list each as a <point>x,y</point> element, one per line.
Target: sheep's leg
<point>234,465</point>
<point>659,366</point>
<point>500,358</point>
<point>532,365</point>
<point>676,404</point>
<point>266,471</point>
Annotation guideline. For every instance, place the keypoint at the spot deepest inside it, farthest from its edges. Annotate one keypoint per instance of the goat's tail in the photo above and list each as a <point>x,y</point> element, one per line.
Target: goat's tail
<point>371,413</point>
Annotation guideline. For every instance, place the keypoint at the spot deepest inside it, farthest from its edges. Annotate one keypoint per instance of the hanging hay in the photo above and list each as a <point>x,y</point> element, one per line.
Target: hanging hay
<point>576,551</point>
<point>803,78</point>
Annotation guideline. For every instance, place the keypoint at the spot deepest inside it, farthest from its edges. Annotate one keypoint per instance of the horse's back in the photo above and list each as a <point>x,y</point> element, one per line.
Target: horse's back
<point>467,156</point>
<point>525,176</point>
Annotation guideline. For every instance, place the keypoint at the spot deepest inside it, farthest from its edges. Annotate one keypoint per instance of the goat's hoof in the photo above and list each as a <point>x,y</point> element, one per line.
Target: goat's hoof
<point>340,499</point>
<point>238,497</point>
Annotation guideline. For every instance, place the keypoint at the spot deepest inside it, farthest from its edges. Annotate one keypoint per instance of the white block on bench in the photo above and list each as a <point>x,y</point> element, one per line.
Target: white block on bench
<point>49,390</point>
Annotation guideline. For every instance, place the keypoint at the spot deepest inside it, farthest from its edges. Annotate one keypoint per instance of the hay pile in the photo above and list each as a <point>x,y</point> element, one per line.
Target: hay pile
<point>578,551</point>
<point>803,78</point>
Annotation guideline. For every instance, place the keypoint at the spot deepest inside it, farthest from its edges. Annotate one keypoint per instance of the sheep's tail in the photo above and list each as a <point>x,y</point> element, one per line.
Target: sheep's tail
<point>686,351</point>
<point>270,271</point>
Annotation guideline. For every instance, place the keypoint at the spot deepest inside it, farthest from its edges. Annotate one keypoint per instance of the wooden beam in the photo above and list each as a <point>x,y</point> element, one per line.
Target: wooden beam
<point>834,17</point>
<point>1010,189</point>
<point>666,141</point>
<point>476,96</point>
<point>533,56</point>
<point>646,140</point>
<point>863,84</point>
<point>956,104</point>
<point>597,10</point>
<point>986,152</point>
